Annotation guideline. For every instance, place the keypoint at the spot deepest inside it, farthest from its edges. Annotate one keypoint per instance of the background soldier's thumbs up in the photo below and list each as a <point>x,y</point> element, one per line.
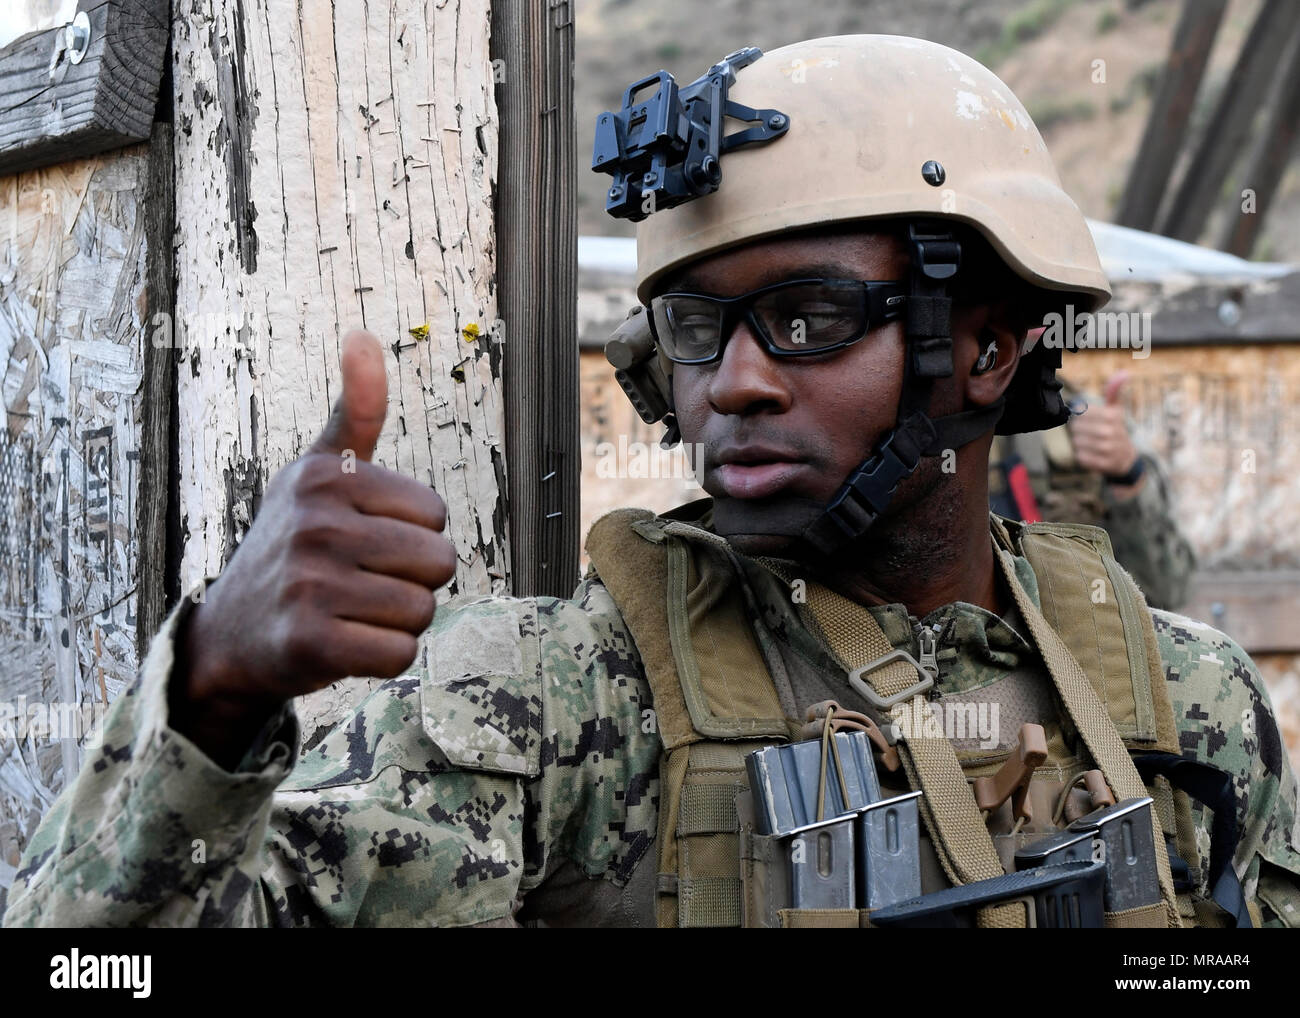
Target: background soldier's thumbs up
<point>335,577</point>
<point>1100,435</point>
<point>1114,388</point>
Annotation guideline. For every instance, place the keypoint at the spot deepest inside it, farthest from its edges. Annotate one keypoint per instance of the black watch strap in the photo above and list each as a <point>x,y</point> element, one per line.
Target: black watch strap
<point>1133,476</point>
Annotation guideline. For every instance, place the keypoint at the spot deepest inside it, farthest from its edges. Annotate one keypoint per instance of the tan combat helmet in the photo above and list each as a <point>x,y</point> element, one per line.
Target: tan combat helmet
<point>867,113</point>
<point>843,129</point>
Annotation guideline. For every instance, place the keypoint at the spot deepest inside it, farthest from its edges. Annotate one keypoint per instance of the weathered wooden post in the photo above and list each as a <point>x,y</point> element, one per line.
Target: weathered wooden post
<point>334,168</point>
<point>171,313</point>
<point>532,44</point>
<point>1228,131</point>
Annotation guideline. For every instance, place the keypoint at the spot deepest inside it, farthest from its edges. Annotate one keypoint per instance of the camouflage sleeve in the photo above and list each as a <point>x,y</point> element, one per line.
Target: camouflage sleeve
<point>1147,540</point>
<point>440,801</point>
<point>1225,719</point>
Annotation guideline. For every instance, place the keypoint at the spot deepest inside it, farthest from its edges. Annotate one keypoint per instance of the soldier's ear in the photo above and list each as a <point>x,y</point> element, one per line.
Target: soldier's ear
<point>986,353</point>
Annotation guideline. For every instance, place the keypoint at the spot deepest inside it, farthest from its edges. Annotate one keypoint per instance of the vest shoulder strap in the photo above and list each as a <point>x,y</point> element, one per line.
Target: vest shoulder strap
<point>635,572</point>
<point>1099,612</point>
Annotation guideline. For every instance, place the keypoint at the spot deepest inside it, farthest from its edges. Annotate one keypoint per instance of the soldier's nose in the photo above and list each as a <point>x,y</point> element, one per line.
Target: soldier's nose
<point>747,379</point>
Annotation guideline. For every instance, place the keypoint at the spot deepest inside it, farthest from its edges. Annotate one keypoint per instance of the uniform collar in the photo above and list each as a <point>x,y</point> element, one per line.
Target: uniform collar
<point>974,646</point>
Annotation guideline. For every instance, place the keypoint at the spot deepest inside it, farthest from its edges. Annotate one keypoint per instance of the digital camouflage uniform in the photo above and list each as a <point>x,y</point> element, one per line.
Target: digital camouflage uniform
<point>514,777</point>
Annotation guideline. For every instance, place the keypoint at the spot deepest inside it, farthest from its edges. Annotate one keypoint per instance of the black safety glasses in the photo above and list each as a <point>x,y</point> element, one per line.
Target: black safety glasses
<point>794,318</point>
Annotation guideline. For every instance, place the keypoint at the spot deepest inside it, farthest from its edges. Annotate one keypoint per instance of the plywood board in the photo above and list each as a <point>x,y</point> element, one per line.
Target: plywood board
<point>72,323</point>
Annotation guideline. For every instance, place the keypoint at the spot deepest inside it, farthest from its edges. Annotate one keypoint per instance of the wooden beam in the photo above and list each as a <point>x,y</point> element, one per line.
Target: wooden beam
<point>1149,176</point>
<point>1226,135</point>
<point>1256,608</point>
<point>52,109</point>
<point>1263,173</point>
<point>157,434</point>
<point>1218,313</point>
<point>537,259</point>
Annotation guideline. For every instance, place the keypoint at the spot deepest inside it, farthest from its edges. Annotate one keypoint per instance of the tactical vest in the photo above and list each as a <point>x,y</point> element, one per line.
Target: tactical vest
<point>684,598</point>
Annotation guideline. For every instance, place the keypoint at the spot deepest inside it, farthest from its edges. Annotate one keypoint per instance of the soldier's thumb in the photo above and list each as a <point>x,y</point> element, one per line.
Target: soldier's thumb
<point>358,415</point>
<point>1115,387</point>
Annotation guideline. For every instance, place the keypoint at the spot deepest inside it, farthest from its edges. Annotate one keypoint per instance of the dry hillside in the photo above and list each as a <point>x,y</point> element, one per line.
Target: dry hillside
<point>1044,49</point>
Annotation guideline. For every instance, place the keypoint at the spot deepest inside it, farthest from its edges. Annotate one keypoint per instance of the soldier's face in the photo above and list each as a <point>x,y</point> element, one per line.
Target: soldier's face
<point>776,434</point>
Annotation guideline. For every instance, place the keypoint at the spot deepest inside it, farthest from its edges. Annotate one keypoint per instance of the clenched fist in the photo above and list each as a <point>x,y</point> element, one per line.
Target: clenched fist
<point>335,577</point>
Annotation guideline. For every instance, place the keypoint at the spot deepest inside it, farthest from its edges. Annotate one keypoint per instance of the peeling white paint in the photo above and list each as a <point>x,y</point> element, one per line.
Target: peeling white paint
<point>370,211</point>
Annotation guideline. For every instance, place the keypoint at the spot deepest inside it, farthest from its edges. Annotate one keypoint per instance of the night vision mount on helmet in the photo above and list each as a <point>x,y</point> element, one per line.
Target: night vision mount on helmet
<point>891,127</point>
<point>667,149</point>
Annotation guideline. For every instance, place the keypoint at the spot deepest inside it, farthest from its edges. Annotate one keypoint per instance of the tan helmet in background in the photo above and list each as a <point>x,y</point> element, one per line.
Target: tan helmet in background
<point>867,114</point>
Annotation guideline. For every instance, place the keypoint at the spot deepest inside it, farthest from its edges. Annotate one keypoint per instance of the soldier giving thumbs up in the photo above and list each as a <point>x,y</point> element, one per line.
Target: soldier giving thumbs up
<point>1102,442</point>
<point>335,577</point>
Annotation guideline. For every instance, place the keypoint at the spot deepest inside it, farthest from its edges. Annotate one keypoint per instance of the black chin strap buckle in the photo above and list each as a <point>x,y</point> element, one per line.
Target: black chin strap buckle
<point>936,256</point>
<point>868,490</point>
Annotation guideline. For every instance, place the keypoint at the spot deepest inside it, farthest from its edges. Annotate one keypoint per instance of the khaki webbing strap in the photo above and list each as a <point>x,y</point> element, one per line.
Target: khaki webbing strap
<point>708,835</point>
<point>708,809</point>
<point>822,918</point>
<point>699,834</point>
<point>1144,917</point>
<point>672,775</point>
<point>1113,638</point>
<point>966,849</point>
<point>1090,718</point>
<point>709,901</point>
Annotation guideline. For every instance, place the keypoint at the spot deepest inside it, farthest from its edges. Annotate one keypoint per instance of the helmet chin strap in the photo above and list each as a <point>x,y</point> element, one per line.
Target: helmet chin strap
<point>867,491</point>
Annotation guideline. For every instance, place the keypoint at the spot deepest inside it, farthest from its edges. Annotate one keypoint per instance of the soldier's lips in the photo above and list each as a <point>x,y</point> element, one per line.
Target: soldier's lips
<point>756,480</point>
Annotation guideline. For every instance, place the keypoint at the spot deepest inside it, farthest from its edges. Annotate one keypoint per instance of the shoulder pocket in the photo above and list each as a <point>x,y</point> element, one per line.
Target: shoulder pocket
<point>480,694</point>
<point>1098,610</point>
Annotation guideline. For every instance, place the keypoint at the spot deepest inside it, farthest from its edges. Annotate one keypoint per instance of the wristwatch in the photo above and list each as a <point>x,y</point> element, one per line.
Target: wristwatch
<point>1132,477</point>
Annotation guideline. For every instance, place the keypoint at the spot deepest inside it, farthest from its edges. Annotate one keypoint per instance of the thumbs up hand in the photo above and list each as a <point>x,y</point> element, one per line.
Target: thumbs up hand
<point>358,416</point>
<point>1100,435</point>
<point>335,577</point>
